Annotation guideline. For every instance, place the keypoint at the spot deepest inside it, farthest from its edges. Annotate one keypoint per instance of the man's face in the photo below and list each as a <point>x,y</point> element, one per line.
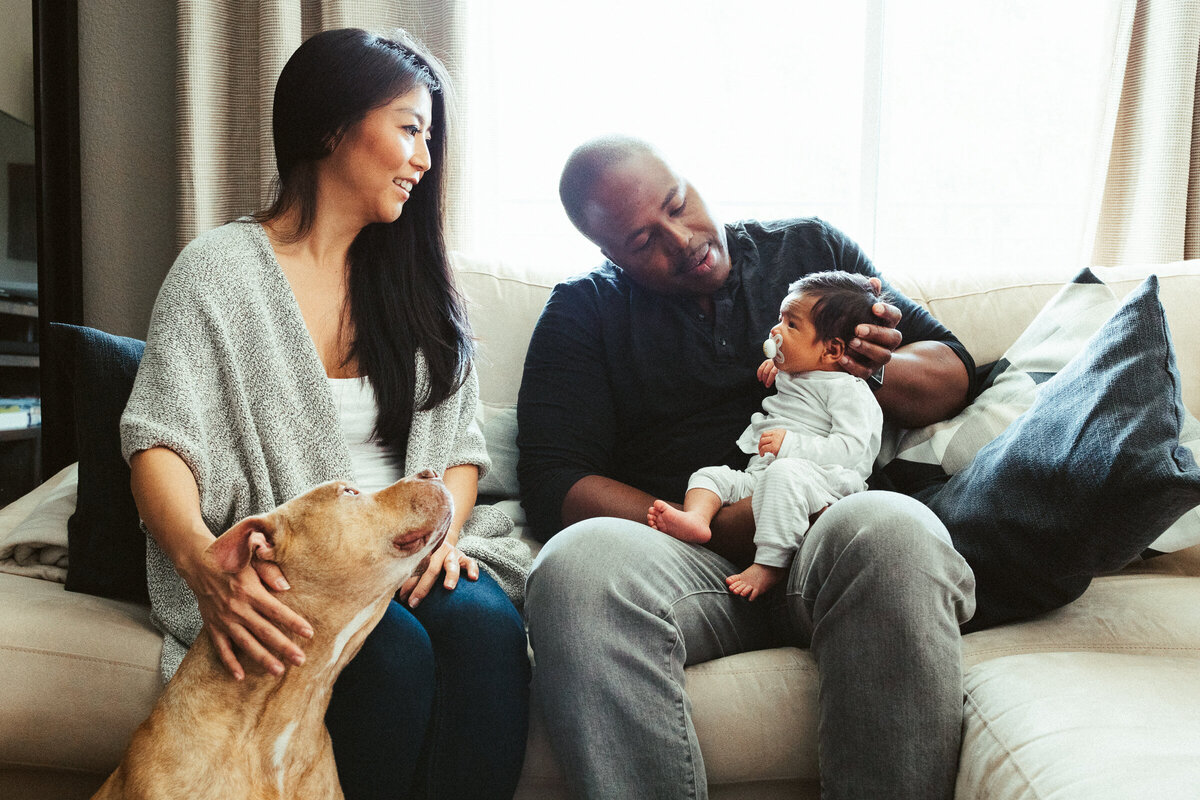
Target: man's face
<point>653,225</point>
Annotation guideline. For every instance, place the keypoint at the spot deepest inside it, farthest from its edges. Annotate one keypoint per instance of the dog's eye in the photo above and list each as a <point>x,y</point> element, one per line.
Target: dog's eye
<point>349,490</point>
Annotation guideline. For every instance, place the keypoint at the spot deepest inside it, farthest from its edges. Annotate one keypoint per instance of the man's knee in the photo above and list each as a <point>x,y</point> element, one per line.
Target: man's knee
<point>884,534</point>
<point>582,563</point>
<point>882,525</point>
<point>897,541</point>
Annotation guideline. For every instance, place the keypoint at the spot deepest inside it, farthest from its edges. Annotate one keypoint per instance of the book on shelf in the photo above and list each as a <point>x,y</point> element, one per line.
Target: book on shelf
<point>20,412</point>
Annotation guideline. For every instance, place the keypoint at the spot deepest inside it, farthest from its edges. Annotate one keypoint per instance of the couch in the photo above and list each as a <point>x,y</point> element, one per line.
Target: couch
<point>1098,699</point>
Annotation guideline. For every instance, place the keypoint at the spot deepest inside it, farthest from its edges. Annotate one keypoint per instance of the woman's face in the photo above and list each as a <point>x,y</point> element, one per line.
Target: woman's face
<point>378,163</point>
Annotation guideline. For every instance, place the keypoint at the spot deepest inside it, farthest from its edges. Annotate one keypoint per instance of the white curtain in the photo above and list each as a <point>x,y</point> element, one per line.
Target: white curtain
<point>231,53</point>
<point>1147,208</point>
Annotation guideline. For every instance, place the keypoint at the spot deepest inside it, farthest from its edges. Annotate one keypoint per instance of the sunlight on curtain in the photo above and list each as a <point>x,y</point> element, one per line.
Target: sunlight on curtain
<point>990,131</point>
<point>975,148</point>
<point>1147,207</point>
<point>230,56</point>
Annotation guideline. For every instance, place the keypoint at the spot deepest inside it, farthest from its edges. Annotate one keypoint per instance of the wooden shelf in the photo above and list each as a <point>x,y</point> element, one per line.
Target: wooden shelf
<point>7,360</point>
<point>20,449</point>
<point>18,309</point>
<point>18,434</point>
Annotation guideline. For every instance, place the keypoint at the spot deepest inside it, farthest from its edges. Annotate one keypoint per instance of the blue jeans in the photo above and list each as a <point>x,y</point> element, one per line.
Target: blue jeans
<point>617,610</point>
<point>436,702</point>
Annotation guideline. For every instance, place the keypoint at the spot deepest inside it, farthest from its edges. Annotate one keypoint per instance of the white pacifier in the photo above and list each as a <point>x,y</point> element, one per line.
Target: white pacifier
<point>773,348</point>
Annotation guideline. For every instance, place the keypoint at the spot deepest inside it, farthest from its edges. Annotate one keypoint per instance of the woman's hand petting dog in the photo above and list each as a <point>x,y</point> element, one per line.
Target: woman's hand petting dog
<point>242,614</point>
<point>448,559</point>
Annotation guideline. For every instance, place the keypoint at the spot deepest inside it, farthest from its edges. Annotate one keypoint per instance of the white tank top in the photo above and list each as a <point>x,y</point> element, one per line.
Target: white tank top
<point>373,466</point>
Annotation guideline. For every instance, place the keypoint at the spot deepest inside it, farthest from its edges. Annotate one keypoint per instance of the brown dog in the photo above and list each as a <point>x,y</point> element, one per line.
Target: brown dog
<point>345,554</point>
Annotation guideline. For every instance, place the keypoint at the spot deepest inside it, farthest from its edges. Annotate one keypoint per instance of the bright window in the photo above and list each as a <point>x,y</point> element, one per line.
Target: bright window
<point>939,135</point>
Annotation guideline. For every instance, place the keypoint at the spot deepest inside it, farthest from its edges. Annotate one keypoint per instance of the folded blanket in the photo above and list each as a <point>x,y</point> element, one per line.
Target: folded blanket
<point>33,529</point>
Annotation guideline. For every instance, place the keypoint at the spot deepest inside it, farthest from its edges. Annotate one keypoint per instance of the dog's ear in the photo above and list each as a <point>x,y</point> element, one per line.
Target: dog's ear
<point>252,537</point>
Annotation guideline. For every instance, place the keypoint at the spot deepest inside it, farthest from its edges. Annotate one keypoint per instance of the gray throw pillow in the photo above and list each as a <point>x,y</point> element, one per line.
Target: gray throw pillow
<point>1082,482</point>
<point>925,457</point>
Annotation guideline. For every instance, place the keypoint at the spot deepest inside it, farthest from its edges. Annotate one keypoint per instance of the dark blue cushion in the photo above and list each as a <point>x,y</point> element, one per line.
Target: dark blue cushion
<point>106,549</point>
<point>1082,482</point>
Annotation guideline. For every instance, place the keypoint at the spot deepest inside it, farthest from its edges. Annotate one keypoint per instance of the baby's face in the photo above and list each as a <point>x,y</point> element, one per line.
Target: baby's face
<point>800,349</point>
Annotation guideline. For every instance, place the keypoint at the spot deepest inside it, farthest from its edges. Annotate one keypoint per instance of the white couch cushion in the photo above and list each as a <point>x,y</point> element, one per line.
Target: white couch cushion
<point>503,304</point>
<point>80,673</point>
<point>1156,614</point>
<point>1085,726</point>
<point>987,313</point>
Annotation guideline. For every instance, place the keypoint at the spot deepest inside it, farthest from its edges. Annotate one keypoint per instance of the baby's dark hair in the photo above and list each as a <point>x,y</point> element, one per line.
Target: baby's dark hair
<point>844,301</point>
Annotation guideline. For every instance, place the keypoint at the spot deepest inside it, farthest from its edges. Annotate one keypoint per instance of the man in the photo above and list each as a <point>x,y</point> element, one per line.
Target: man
<point>639,373</point>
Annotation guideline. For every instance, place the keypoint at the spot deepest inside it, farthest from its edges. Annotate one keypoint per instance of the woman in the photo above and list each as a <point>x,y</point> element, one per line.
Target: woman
<point>324,339</point>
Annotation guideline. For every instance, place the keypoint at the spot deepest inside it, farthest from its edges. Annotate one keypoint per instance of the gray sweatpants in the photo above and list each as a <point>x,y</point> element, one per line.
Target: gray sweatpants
<point>616,612</point>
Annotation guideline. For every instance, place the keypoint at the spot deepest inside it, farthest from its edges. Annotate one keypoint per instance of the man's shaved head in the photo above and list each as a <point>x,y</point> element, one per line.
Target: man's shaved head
<point>645,217</point>
<point>587,164</point>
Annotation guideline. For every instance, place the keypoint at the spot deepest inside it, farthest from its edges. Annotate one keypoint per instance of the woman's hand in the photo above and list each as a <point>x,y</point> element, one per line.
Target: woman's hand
<point>448,559</point>
<point>462,481</point>
<point>238,608</point>
<point>244,617</point>
<point>873,345</point>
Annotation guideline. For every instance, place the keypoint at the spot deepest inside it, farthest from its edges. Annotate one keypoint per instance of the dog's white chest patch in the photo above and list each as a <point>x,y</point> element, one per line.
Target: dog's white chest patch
<point>281,746</point>
<point>343,638</point>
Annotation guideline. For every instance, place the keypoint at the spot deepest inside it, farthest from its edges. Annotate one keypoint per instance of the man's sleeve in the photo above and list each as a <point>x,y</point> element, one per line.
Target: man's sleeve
<point>916,324</point>
<point>566,425</point>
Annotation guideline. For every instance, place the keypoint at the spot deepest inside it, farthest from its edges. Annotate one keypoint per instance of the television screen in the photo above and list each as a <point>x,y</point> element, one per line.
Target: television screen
<point>18,214</point>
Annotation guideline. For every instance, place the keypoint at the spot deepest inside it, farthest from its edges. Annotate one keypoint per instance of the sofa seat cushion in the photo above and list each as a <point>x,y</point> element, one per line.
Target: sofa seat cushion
<point>756,715</point>
<point>1123,613</point>
<point>1082,725</point>
<point>80,674</point>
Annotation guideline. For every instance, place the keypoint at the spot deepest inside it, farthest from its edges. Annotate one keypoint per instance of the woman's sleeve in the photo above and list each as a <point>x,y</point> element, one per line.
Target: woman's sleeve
<point>469,446</point>
<point>175,380</point>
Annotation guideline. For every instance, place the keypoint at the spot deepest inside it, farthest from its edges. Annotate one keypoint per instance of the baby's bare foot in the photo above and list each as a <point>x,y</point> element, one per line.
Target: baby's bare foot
<point>754,580</point>
<point>686,526</point>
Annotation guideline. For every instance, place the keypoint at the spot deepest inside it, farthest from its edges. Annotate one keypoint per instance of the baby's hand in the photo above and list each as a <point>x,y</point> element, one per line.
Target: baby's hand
<point>771,441</point>
<point>767,372</point>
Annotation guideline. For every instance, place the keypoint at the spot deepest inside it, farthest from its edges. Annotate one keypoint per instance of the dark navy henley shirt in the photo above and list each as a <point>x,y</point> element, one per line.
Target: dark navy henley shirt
<point>645,388</point>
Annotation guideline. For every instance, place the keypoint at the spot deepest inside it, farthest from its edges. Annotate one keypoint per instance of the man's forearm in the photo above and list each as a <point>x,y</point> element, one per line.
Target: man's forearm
<point>597,496</point>
<point>925,382</point>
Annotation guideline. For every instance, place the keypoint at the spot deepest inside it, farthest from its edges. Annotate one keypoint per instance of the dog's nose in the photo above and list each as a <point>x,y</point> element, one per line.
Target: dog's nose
<point>427,474</point>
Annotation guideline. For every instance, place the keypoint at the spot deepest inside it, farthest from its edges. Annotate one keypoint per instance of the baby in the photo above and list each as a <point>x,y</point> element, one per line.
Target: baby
<point>815,442</point>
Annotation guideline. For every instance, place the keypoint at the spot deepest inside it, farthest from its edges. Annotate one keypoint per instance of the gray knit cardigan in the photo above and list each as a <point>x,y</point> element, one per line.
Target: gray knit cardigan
<point>231,381</point>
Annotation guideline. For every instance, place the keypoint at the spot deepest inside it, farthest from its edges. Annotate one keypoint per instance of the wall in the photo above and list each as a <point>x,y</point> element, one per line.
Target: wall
<point>16,59</point>
<point>127,145</point>
<point>16,139</point>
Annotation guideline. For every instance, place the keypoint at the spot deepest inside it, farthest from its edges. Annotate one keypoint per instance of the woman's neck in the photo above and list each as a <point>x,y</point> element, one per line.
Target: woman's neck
<point>324,247</point>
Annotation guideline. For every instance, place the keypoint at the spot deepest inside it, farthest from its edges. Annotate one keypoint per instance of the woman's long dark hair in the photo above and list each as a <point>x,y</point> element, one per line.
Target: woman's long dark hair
<point>401,291</point>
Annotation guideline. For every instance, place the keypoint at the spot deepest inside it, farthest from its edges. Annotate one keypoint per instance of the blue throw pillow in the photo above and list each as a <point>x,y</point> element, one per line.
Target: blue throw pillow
<point>106,549</point>
<point>1082,482</point>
